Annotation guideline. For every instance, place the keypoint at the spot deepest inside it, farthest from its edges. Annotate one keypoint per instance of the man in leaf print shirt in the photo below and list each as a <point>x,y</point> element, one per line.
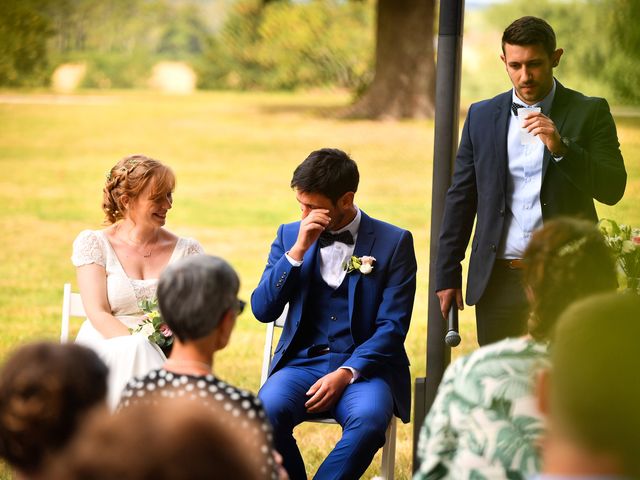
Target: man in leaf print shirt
<point>484,422</point>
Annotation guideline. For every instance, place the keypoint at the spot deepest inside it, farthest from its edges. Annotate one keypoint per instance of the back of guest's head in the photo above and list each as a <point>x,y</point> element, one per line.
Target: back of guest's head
<point>194,294</point>
<point>168,440</point>
<point>45,391</point>
<point>565,260</point>
<point>595,377</point>
<point>128,178</point>
<point>329,172</point>
<point>528,31</point>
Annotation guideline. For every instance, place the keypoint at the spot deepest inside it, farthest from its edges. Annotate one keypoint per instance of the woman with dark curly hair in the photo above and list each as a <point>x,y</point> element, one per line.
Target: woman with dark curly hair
<point>118,267</point>
<point>484,422</point>
<point>46,389</point>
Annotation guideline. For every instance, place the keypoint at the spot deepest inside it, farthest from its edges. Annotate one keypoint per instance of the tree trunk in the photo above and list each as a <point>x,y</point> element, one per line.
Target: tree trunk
<point>404,81</point>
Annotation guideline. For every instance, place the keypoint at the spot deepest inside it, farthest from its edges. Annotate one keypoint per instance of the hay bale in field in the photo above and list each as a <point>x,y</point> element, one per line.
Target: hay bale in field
<point>68,76</point>
<point>173,77</point>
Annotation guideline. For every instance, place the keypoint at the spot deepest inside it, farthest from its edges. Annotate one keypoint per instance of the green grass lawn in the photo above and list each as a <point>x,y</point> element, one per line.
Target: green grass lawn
<point>233,154</point>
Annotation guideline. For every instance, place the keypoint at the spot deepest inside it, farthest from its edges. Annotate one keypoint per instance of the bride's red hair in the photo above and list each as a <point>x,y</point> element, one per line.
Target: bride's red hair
<point>129,177</point>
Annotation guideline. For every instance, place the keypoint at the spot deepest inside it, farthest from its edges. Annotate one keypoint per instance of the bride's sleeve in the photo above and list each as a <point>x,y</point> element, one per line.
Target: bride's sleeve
<point>87,249</point>
<point>193,247</point>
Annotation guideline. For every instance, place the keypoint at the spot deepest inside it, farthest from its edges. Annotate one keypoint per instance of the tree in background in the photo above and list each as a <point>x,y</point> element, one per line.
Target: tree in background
<point>24,32</point>
<point>120,40</point>
<point>380,50</point>
<point>622,72</point>
<point>404,81</point>
<point>229,59</point>
<point>280,45</point>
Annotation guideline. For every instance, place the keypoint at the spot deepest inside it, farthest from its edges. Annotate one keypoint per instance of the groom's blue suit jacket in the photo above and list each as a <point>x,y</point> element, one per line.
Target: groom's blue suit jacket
<point>380,303</point>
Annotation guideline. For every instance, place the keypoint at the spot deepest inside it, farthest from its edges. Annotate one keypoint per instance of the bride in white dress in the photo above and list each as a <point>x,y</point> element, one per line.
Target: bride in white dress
<point>119,266</point>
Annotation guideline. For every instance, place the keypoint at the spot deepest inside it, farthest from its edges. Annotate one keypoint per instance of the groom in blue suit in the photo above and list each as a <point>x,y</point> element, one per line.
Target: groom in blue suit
<point>350,281</point>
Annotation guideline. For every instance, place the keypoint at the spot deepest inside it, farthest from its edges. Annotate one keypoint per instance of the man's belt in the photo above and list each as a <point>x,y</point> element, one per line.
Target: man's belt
<point>512,263</point>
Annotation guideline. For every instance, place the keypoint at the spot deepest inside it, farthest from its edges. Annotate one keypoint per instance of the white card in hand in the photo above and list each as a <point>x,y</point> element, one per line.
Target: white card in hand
<point>525,137</point>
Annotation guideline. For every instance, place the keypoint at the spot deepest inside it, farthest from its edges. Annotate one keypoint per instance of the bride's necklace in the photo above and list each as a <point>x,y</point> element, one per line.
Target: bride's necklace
<point>136,246</point>
<point>189,363</point>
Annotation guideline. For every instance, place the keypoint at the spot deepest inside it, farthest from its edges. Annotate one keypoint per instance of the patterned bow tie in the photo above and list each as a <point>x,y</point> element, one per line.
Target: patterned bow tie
<point>327,238</point>
<point>515,106</point>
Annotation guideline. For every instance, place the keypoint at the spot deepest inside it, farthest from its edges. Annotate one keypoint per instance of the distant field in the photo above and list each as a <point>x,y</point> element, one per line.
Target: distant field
<point>233,154</point>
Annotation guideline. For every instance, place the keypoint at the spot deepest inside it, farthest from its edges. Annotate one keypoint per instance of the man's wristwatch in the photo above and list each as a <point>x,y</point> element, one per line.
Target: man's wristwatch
<point>566,142</point>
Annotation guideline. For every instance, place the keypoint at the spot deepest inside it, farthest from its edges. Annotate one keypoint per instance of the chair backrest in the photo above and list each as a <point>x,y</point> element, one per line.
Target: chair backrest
<point>71,307</point>
<point>268,343</point>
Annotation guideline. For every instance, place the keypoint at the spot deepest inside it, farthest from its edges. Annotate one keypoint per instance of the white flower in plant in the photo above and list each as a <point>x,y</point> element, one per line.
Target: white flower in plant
<point>628,246</point>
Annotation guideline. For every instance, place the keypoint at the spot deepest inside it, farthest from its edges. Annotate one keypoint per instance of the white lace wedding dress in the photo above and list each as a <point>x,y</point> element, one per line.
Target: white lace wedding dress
<point>132,355</point>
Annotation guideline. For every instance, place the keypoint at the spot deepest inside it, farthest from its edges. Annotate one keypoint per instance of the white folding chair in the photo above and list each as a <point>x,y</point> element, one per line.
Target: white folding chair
<point>71,307</point>
<point>389,448</point>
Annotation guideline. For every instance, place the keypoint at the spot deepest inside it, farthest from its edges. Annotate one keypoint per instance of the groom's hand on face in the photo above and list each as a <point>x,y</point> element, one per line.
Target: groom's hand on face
<point>327,390</point>
<point>311,227</point>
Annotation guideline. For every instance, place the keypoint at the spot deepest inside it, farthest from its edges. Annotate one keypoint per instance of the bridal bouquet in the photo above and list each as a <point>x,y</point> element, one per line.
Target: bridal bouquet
<point>624,242</point>
<point>153,326</point>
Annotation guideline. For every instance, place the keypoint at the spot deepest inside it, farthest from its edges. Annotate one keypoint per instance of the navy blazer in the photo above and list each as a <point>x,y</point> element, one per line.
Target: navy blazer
<point>380,303</point>
<point>593,168</point>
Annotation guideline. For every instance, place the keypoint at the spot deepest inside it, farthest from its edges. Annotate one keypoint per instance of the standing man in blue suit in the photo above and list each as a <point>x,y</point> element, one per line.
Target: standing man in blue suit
<point>350,281</point>
<point>510,186</point>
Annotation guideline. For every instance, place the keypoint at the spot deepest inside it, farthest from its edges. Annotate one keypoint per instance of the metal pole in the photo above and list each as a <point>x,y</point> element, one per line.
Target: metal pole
<point>445,145</point>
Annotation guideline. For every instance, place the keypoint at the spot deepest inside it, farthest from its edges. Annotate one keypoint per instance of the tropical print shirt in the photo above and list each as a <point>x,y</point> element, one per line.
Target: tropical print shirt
<point>484,423</point>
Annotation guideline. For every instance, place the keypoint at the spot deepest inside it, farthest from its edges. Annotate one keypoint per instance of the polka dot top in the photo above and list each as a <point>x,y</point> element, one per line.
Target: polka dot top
<point>244,408</point>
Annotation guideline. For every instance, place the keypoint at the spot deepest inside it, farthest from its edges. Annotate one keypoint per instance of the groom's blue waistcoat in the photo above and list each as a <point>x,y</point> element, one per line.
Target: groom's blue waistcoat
<point>325,320</point>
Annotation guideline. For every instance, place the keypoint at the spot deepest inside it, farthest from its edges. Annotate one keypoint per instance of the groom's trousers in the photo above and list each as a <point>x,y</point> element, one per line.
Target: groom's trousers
<point>364,411</point>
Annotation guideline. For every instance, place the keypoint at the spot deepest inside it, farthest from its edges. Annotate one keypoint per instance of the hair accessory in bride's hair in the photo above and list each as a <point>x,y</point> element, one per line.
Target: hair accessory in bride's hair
<point>108,175</point>
<point>572,247</point>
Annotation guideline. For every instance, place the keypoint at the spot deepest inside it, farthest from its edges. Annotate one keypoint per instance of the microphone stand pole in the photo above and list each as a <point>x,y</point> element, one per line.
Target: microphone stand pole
<point>445,145</point>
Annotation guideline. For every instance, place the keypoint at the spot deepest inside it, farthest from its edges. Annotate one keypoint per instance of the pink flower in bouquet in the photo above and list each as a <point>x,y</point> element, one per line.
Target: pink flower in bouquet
<point>165,330</point>
<point>636,240</point>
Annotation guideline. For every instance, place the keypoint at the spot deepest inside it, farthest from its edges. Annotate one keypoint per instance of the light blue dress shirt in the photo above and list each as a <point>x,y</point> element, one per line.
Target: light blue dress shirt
<point>523,213</point>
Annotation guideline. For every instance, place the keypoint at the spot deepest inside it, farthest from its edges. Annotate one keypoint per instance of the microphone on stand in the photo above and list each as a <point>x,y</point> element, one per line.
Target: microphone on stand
<point>452,339</point>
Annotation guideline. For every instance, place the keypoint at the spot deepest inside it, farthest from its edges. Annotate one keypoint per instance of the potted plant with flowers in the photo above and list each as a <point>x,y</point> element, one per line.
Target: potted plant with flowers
<point>624,242</point>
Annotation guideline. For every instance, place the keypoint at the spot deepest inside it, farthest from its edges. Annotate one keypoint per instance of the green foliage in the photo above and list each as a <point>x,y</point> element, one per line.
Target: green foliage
<point>624,243</point>
<point>24,32</point>
<point>285,45</point>
<point>228,60</point>
<point>254,44</point>
<point>621,68</point>
<point>120,40</point>
<point>185,35</point>
<point>117,70</point>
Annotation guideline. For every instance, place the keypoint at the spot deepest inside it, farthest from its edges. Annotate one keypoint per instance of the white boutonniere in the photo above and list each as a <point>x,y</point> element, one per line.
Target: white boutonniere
<point>363,264</point>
